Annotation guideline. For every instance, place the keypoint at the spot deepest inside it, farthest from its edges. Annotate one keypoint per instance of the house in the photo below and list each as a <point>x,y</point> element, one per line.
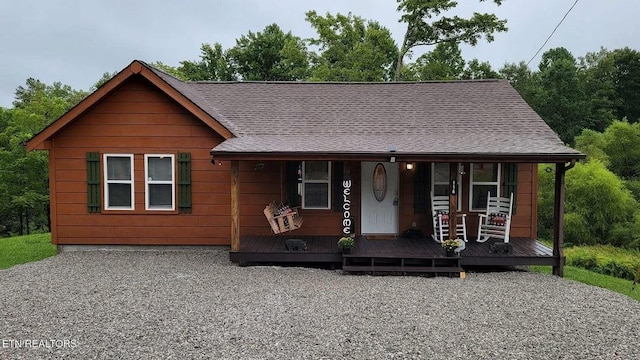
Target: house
<point>149,159</point>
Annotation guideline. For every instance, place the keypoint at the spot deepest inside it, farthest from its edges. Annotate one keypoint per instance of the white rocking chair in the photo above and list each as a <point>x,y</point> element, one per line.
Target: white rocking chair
<point>496,221</point>
<point>440,217</point>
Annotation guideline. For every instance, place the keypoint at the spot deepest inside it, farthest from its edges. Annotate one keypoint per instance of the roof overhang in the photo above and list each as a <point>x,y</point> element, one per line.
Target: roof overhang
<point>400,157</point>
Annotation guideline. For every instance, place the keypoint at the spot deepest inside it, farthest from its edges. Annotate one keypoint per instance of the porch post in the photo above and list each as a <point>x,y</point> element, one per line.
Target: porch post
<point>453,200</point>
<point>558,220</point>
<point>235,206</point>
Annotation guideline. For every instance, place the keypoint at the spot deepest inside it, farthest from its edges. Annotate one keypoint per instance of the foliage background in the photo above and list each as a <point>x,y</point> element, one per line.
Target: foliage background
<point>590,100</point>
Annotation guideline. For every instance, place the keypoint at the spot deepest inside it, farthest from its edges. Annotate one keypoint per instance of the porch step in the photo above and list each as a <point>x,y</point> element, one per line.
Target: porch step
<point>413,269</point>
<point>382,264</point>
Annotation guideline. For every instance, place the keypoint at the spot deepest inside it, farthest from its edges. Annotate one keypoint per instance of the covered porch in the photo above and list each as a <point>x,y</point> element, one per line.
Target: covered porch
<point>401,254</point>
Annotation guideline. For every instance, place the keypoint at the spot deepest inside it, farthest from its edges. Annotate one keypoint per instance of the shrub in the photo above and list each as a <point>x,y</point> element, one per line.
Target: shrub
<point>596,201</point>
<point>605,259</point>
<point>576,230</point>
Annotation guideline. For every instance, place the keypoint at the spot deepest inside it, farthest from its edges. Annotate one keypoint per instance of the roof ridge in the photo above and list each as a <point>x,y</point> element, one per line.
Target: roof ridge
<point>461,81</point>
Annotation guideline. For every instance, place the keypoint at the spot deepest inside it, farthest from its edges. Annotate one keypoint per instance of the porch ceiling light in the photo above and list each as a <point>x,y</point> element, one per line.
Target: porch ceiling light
<point>409,166</point>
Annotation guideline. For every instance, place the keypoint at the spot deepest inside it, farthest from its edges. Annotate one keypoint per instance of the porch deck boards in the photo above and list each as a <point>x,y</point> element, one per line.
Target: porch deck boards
<point>324,249</point>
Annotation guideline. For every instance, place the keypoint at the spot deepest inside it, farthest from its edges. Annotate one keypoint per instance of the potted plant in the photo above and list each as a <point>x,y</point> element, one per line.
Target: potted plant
<point>346,243</point>
<point>450,245</point>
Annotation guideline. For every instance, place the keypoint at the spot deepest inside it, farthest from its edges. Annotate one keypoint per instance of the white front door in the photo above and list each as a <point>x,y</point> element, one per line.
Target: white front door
<point>379,198</point>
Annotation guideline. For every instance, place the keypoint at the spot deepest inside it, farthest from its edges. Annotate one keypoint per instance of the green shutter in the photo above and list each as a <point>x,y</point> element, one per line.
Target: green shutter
<point>93,182</point>
<point>338,176</point>
<point>292,179</point>
<point>184,183</point>
<point>421,187</point>
<point>510,184</point>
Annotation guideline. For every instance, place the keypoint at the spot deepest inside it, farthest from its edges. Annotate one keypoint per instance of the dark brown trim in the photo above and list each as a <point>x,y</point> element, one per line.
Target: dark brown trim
<point>558,218</point>
<point>53,201</point>
<point>185,102</point>
<point>399,157</point>
<point>453,199</point>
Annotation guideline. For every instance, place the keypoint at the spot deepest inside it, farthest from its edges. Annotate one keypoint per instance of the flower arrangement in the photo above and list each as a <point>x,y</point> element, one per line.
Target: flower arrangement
<point>346,242</point>
<point>451,244</point>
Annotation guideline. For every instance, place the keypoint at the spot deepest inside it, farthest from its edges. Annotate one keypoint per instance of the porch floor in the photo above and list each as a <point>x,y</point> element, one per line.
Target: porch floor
<point>323,249</point>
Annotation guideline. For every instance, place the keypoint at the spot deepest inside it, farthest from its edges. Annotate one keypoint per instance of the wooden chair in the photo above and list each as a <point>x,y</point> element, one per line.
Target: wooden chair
<point>440,218</point>
<point>496,221</point>
<point>282,218</point>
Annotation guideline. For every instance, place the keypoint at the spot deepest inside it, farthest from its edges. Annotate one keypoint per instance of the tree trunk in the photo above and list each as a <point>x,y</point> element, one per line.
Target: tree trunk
<point>49,216</point>
<point>402,52</point>
<point>26,218</point>
<point>20,231</point>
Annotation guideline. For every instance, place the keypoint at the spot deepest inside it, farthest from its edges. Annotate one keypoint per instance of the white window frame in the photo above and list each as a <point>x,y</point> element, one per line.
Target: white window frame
<point>328,182</point>
<point>131,182</point>
<point>148,182</point>
<point>459,180</point>
<point>472,183</point>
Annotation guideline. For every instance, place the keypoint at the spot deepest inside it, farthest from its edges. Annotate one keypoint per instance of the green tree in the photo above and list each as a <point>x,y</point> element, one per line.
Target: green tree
<point>592,143</point>
<point>270,55</point>
<point>171,70</point>
<point>597,78</point>
<point>351,49</point>
<point>596,204</point>
<point>622,146</point>
<point>423,30</point>
<point>627,83</point>
<point>106,76</point>
<point>563,104</point>
<point>525,81</point>
<point>214,65</point>
<point>479,70</point>
<point>445,62</point>
<point>24,199</point>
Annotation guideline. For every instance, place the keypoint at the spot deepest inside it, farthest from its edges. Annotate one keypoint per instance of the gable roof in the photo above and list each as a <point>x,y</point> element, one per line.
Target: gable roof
<point>41,140</point>
<point>473,120</point>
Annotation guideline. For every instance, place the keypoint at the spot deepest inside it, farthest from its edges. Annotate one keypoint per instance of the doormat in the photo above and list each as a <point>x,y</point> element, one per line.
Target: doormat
<point>381,237</point>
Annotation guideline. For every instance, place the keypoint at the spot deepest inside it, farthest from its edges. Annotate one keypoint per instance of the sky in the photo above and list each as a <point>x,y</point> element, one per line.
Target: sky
<point>76,41</point>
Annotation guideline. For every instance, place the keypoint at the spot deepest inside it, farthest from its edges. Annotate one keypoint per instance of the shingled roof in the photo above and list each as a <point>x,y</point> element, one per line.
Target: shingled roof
<point>477,118</point>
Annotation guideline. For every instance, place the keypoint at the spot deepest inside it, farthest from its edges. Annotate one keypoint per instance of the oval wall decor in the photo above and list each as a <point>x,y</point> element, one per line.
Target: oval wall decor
<point>379,182</point>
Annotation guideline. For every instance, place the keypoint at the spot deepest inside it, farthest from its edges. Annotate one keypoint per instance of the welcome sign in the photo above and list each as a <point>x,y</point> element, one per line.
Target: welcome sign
<point>347,220</point>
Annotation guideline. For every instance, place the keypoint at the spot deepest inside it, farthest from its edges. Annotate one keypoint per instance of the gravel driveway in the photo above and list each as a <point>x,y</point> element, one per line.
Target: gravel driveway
<point>194,304</point>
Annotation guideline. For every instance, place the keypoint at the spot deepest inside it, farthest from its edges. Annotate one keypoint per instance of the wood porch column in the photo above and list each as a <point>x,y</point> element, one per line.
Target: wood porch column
<point>558,220</point>
<point>453,200</point>
<point>235,206</point>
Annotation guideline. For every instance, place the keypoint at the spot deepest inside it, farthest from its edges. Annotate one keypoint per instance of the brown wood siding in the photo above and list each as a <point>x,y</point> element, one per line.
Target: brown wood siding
<point>259,187</point>
<point>523,223</point>
<point>138,119</point>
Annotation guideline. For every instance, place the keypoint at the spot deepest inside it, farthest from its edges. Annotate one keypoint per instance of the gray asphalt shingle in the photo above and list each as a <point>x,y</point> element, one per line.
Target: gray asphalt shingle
<point>446,117</point>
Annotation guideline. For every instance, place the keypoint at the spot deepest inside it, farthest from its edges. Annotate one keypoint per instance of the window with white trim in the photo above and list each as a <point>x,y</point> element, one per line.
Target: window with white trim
<point>440,181</point>
<point>118,180</point>
<point>159,172</point>
<point>316,184</point>
<point>484,178</point>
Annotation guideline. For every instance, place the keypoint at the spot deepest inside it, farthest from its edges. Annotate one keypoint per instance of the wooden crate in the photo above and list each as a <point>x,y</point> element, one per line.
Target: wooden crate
<point>282,218</point>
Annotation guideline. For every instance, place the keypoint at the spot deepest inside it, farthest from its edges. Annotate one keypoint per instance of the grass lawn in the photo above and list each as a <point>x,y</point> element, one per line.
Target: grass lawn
<point>618,285</point>
<point>25,249</point>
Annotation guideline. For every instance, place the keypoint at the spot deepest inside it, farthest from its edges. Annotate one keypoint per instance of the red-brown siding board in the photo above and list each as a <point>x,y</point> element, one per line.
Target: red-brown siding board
<point>150,123</point>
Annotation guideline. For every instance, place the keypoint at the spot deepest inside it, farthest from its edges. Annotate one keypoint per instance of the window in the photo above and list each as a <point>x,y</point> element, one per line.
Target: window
<point>316,184</point>
<point>440,181</point>
<point>484,178</point>
<point>159,172</point>
<point>118,179</point>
